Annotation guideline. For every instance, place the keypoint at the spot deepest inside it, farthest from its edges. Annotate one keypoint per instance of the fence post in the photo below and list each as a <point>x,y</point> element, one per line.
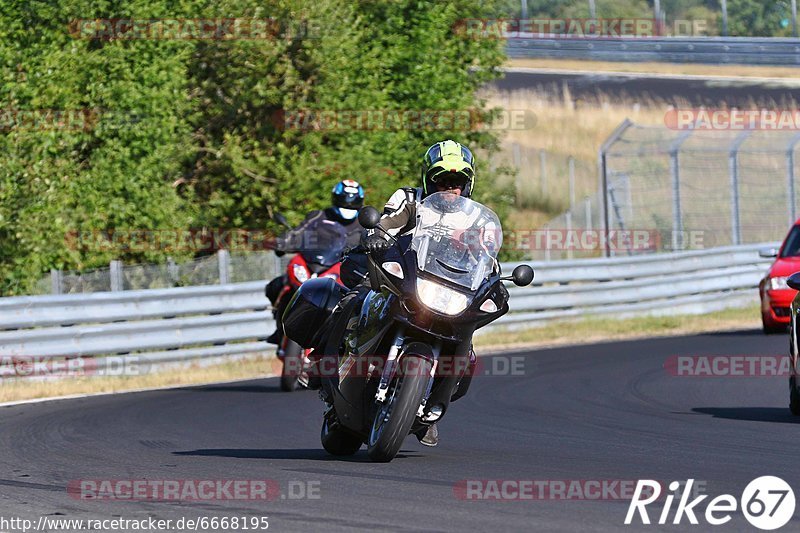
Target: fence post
<point>724,18</point>
<point>733,165</point>
<point>224,262</point>
<point>587,211</point>
<point>675,172</point>
<point>56,286</point>
<point>543,171</point>
<point>790,178</point>
<point>571,162</point>
<point>173,271</point>
<point>604,192</point>
<point>115,273</point>
<point>568,239</point>
<point>517,178</point>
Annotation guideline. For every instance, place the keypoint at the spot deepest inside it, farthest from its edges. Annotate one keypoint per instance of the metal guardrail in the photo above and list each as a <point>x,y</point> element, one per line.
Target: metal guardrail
<point>167,325</point>
<point>710,50</point>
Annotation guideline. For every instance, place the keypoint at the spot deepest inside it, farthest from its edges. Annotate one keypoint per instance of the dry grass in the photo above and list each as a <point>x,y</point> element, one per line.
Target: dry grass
<point>256,366</point>
<point>563,130</point>
<point>597,329</point>
<point>657,68</point>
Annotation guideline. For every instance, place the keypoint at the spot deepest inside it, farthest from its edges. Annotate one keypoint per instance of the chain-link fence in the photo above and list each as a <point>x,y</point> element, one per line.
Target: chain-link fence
<point>700,189</point>
<point>222,267</point>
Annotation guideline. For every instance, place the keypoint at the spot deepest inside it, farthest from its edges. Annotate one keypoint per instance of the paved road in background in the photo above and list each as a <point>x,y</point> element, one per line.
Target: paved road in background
<point>689,90</point>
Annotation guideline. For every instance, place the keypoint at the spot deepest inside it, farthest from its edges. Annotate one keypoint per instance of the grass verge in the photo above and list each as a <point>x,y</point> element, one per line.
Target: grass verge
<point>739,71</point>
<point>256,366</point>
<point>598,329</point>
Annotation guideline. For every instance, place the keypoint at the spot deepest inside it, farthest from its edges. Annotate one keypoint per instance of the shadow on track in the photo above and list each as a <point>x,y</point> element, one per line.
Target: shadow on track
<point>314,454</point>
<point>756,332</point>
<point>753,414</point>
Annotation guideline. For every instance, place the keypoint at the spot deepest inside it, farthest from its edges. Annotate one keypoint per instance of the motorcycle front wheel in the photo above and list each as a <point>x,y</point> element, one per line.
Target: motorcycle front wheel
<point>396,415</point>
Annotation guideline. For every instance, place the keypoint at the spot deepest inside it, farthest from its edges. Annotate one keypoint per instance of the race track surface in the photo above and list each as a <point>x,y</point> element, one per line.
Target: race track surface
<point>597,412</point>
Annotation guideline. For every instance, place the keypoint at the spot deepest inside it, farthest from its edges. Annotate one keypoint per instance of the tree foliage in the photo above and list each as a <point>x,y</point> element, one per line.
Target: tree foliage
<point>190,133</point>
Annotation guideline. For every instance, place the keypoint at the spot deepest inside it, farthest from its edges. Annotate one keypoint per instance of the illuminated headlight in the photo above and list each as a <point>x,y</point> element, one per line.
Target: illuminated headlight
<point>300,273</point>
<point>489,306</point>
<point>393,268</point>
<point>440,298</point>
<point>778,283</point>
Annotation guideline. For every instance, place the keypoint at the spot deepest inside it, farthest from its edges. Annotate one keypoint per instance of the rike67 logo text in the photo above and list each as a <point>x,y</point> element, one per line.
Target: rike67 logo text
<point>767,502</point>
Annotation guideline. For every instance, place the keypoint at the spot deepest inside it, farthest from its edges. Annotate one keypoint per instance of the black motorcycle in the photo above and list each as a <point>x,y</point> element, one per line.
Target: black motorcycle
<point>397,354</point>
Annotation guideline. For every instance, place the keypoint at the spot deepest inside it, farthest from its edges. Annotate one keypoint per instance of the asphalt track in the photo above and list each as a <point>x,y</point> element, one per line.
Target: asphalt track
<point>605,411</point>
<point>678,90</point>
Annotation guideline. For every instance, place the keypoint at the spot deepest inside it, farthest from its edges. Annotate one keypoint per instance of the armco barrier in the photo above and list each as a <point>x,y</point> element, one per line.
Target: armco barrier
<point>709,50</point>
<point>167,325</point>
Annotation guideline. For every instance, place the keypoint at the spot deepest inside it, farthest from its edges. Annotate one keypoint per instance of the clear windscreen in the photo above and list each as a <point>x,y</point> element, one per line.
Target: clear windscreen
<point>456,239</point>
<point>322,242</point>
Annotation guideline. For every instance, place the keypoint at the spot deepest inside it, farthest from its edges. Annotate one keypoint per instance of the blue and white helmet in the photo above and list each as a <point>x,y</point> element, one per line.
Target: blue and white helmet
<point>347,198</point>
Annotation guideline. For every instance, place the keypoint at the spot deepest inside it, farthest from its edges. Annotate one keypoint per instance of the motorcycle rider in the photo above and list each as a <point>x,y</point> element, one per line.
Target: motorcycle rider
<point>347,197</point>
<point>447,167</point>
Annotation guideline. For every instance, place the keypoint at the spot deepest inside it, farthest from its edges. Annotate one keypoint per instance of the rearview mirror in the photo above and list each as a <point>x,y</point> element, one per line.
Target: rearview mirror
<point>768,253</point>
<point>794,281</point>
<point>280,219</point>
<point>369,217</point>
<point>522,275</point>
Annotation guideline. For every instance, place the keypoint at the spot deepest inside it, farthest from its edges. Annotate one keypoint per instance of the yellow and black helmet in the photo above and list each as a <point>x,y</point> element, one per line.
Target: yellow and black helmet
<point>448,161</point>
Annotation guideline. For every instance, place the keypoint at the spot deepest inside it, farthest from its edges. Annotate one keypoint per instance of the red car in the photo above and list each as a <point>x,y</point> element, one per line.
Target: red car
<point>776,296</point>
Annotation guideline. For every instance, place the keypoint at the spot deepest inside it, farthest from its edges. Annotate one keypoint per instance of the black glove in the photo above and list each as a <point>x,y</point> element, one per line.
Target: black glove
<point>376,244</point>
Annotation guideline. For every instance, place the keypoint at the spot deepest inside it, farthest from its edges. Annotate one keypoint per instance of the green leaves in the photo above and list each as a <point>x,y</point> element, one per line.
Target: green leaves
<point>192,133</point>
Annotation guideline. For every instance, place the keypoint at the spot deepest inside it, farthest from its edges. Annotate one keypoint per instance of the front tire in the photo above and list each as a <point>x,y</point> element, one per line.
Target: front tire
<point>336,440</point>
<point>292,366</point>
<point>396,415</point>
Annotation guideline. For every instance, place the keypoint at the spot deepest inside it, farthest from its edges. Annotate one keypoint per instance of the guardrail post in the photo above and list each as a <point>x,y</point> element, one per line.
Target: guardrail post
<point>115,272</point>
<point>55,281</point>
<point>223,259</point>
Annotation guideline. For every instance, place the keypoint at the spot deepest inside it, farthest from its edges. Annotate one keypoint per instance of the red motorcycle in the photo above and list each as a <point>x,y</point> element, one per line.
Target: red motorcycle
<point>319,248</point>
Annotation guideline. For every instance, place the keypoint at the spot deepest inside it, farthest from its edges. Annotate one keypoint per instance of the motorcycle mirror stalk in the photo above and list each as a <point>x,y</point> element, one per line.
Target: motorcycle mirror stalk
<point>521,276</point>
<point>369,218</point>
